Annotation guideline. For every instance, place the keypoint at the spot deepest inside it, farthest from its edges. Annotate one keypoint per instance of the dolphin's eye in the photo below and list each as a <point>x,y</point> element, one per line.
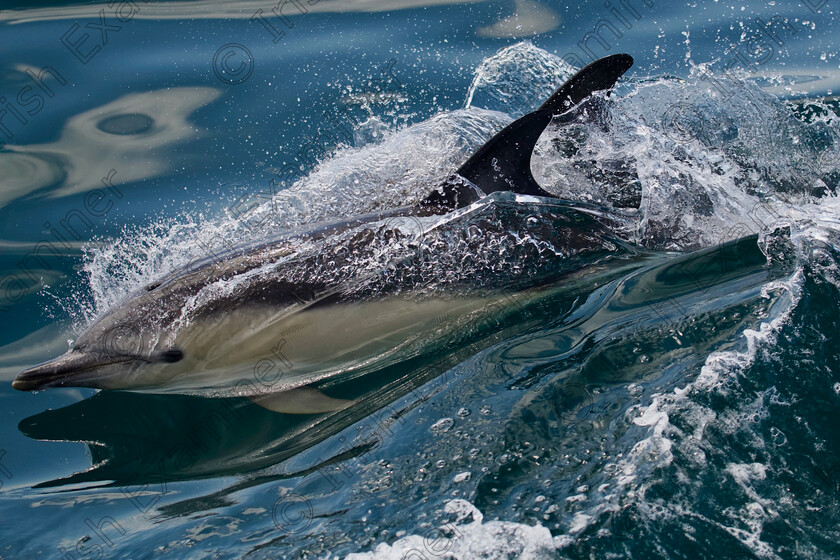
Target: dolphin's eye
<point>171,356</point>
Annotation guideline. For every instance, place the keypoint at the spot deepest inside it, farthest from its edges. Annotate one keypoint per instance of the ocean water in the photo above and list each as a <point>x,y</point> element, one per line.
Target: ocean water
<point>673,395</point>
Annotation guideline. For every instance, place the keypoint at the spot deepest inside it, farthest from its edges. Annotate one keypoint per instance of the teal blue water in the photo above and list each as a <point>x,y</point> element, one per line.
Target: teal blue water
<point>673,396</point>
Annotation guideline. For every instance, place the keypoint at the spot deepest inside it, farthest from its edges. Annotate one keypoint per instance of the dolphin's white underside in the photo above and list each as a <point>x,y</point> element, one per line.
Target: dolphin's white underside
<point>254,351</point>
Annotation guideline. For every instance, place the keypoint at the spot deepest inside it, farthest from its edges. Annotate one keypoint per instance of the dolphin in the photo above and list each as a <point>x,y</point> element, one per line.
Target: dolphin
<point>254,322</point>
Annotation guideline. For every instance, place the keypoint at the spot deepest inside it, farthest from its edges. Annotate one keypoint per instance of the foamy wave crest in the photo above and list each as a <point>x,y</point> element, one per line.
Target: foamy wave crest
<point>724,412</point>
<point>700,170</point>
<point>461,540</point>
<point>687,168</point>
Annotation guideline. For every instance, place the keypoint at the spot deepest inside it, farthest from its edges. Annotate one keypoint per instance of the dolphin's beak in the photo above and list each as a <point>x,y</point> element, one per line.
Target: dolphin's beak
<point>73,369</point>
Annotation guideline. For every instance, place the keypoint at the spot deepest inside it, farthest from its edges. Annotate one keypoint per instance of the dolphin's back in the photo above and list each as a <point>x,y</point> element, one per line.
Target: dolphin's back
<point>321,306</point>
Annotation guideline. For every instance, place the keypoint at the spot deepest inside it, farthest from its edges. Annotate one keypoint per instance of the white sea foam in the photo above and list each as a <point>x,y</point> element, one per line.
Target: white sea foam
<point>811,224</point>
<point>463,540</point>
<point>718,177</point>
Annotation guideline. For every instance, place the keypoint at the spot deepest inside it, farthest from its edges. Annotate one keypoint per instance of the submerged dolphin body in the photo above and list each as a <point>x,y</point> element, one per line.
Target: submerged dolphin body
<point>258,325</point>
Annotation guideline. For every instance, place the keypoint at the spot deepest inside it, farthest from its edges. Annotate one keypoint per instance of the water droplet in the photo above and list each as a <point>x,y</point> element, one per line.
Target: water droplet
<point>442,425</point>
<point>635,390</point>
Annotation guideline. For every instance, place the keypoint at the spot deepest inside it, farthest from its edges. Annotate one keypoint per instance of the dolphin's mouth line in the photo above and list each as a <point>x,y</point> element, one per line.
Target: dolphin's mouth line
<point>500,165</point>
<point>50,374</point>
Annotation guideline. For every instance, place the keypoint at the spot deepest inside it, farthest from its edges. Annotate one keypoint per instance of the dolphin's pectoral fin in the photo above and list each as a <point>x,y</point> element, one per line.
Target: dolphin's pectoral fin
<point>504,162</point>
<point>303,400</point>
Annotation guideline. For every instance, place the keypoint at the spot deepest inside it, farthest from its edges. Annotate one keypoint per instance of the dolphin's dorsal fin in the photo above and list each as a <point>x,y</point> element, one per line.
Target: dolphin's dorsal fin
<point>504,162</point>
<point>597,76</point>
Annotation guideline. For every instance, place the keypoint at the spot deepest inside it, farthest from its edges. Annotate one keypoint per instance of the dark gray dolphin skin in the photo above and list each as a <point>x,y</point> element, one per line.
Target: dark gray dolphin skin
<point>219,324</point>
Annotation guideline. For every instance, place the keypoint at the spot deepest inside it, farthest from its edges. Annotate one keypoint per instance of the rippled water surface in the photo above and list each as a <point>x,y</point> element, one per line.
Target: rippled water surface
<point>644,367</point>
